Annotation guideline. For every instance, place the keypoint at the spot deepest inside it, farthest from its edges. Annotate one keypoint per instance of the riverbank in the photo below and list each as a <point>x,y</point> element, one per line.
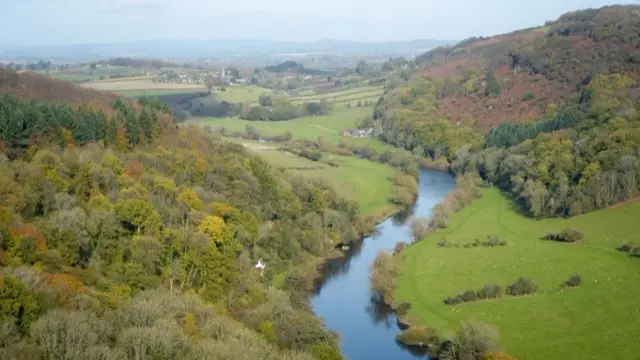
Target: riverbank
<point>342,297</point>
<point>555,322</point>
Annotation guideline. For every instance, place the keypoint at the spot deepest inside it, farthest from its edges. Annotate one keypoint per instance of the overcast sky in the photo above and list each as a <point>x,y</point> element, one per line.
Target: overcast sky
<point>81,21</point>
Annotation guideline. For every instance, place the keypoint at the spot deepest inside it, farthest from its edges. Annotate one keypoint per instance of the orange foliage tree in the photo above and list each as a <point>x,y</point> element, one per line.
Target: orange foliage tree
<point>66,286</point>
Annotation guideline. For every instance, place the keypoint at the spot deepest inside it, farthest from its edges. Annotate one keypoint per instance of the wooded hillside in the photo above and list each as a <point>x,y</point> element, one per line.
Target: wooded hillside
<point>550,113</point>
<point>123,237</point>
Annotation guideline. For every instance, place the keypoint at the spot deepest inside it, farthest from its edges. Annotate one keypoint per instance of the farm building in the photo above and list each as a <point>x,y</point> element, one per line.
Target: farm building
<point>357,133</point>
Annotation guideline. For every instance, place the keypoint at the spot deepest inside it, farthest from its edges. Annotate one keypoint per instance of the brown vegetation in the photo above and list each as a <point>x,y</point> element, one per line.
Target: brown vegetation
<point>29,85</point>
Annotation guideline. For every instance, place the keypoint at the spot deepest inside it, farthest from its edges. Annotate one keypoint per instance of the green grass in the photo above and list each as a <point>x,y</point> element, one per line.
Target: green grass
<point>310,127</point>
<point>156,92</point>
<point>247,94</point>
<point>344,97</point>
<point>371,192</point>
<point>598,320</point>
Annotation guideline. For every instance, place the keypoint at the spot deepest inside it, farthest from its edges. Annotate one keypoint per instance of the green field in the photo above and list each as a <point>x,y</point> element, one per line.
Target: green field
<point>310,127</point>
<point>247,94</point>
<point>341,99</point>
<point>598,320</point>
<point>371,192</point>
<point>157,92</point>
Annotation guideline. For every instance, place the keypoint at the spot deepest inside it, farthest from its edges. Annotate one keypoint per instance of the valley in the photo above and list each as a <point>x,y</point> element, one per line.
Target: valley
<point>472,201</point>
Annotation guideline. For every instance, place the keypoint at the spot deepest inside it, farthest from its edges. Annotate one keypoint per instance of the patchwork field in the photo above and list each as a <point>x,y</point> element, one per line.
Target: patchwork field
<point>247,94</point>
<point>371,191</point>
<point>157,92</point>
<point>344,98</point>
<point>598,320</point>
<point>310,127</point>
<point>139,84</point>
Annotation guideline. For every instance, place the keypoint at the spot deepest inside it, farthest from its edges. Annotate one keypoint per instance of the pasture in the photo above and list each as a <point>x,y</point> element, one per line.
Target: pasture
<point>371,192</point>
<point>309,127</point>
<point>246,94</point>
<point>139,84</point>
<point>344,98</point>
<point>597,320</point>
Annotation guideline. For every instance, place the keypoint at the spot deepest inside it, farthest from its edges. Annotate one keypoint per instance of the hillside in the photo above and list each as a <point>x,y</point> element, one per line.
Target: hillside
<point>550,114</point>
<point>29,85</point>
<point>516,77</point>
<point>126,238</point>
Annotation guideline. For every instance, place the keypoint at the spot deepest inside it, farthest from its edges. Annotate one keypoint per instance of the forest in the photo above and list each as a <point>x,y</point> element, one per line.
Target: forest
<point>124,237</point>
<point>572,157</point>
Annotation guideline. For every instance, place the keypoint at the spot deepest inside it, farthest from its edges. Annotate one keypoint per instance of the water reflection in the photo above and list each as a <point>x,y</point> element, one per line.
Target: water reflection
<point>342,297</point>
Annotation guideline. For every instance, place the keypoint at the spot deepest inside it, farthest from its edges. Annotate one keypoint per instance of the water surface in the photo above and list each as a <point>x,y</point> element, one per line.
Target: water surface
<point>367,330</point>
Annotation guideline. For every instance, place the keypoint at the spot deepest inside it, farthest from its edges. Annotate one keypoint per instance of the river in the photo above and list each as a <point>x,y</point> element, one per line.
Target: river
<point>342,298</point>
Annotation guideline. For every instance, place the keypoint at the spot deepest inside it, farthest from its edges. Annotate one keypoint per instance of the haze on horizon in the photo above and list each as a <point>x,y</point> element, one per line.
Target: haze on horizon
<point>108,21</point>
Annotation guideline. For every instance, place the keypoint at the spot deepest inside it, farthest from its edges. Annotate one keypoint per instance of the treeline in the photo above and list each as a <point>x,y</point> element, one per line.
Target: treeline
<point>278,109</point>
<point>24,123</point>
<point>148,250</point>
<point>567,172</point>
<point>580,157</point>
<point>202,104</point>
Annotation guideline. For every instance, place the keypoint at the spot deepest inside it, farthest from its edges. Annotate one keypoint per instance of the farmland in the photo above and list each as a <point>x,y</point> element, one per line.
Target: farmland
<point>593,321</point>
<point>139,84</point>
<point>371,192</point>
<point>246,94</point>
<point>310,127</point>
<point>344,98</point>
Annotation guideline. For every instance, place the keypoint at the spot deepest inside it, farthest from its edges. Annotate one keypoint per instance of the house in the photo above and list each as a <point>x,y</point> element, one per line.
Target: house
<point>357,133</point>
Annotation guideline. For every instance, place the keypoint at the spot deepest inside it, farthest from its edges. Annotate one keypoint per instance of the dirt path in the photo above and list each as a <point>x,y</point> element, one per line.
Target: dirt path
<point>323,128</point>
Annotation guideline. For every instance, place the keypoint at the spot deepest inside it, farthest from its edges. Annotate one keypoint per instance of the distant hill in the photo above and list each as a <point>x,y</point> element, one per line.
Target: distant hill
<point>550,114</point>
<point>29,85</point>
<point>295,67</point>
<point>515,77</point>
<point>215,48</point>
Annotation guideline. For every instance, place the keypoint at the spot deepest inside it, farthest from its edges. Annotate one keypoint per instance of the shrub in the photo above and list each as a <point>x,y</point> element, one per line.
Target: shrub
<point>384,272</point>
<point>490,292</point>
<point>528,96</point>
<point>493,241</point>
<point>474,341</point>
<point>419,228</point>
<point>419,336</point>
<point>522,286</point>
<point>403,308</point>
<point>566,235</point>
<point>468,296</point>
<point>399,247</point>
<point>628,247</point>
<point>452,300</point>
<point>635,252</point>
<point>443,243</point>
<point>573,281</point>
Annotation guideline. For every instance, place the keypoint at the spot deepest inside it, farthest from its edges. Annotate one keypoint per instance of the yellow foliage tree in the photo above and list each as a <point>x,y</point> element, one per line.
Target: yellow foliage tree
<point>215,228</point>
<point>190,199</point>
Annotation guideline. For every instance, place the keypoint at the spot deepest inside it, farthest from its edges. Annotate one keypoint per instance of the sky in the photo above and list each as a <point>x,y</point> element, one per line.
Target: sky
<point>44,22</point>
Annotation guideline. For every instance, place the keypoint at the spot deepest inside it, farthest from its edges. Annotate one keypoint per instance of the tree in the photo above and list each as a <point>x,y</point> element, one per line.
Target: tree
<point>473,340</point>
<point>138,215</point>
<point>265,100</point>
<point>420,228</point>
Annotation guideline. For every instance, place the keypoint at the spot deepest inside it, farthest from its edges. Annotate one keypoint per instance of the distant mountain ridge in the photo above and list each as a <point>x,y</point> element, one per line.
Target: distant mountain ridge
<point>202,48</point>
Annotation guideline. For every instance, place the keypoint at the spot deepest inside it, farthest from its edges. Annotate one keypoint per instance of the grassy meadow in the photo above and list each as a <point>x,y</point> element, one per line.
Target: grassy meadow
<point>598,320</point>
<point>246,94</point>
<point>310,127</point>
<point>139,84</point>
<point>344,98</point>
<point>371,192</point>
